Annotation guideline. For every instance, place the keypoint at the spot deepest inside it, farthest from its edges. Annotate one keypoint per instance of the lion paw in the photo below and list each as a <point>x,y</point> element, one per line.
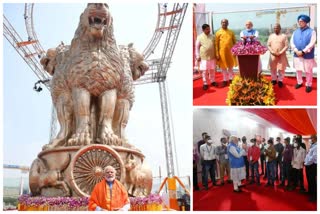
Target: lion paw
<point>109,138</point>
<point>80,139</point>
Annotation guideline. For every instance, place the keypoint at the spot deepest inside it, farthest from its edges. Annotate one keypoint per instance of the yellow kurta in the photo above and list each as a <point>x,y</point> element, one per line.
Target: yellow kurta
<point>225,39</point>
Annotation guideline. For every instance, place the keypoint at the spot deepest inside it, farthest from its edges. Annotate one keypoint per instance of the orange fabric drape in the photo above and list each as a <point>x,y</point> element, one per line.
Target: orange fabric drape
<point>295,121</point>
<point>299,118</point>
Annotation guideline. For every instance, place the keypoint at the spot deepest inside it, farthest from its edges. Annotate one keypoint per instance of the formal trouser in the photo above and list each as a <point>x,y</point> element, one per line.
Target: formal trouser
<point>255,171</point>
<point>224,167</point>
<point>246,162</point>
<point>202,171</point>
<point>211,74</point>
<point>311,171</point>
<point>309,76</point>
<point>271,171</point>
<point>286,172</point>
<point>278,168</point>
<point>210,166</point>
<point>297,177</point>
<point>280,75</point>
<point>262,161</point>
<point>195,175</point>
<point>227,74</point>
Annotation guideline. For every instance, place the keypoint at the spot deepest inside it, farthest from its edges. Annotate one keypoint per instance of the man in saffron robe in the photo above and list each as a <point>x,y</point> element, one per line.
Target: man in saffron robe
<point>302,43</point>
<point>277,45</point>
<point>206,56</point>
<point>224,41</point>
<point>109,194</point>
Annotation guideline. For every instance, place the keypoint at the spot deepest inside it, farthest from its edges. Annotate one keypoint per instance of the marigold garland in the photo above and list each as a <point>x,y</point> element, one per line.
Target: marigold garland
<point>249,92</point>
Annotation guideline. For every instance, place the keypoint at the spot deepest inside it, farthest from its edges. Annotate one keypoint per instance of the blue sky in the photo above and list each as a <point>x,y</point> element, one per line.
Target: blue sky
<point>27,113</point>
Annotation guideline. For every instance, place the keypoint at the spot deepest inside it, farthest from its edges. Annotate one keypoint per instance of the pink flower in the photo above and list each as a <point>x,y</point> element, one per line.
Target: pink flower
<point>248,48</point>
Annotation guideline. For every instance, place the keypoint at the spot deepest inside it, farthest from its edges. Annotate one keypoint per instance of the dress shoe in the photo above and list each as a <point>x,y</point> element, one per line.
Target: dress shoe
<point>311,199</point>
<point>205,87</point>
<point>251,182</point>
<point>205,188</point>
<point>224,83</point>
<point>238,190</point>
<point>229,181</point>
<point>214,84</point>
<point>274,82</point>
<point>308,89</point>
<point>291,188</point>
<point>281,185</point>
<point>298,86</point>
<point>267,185</point>
<point>280,84</point>
<point>242,185</point>
<point>302,190</point>
<point>222,183</point>
<point>258,184</point>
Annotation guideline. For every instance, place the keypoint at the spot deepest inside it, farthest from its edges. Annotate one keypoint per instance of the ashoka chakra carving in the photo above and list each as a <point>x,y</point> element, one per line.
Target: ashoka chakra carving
<point>88,165</point>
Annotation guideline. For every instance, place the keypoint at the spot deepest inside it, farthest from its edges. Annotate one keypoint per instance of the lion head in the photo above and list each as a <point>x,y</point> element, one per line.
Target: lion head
<point>96,18</point>
<point>137,64</point>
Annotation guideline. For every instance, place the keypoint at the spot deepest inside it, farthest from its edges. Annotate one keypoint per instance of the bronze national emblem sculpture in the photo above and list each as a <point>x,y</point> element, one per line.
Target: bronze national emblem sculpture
<point>92,91</point>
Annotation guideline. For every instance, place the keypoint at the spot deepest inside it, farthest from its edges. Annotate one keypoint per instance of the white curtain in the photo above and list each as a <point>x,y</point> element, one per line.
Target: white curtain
<point>312,113</point>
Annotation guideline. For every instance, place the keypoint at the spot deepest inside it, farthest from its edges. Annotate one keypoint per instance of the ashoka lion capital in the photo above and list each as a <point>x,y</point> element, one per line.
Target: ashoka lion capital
<point>92,91</point>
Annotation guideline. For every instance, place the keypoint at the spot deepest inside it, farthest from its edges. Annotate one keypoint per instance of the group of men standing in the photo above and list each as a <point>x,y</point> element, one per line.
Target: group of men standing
<point>284,162</point>
<point>212,50</point>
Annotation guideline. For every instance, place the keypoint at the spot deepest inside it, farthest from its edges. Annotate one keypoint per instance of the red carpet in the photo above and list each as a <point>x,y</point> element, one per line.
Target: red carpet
<point>287,95</point>
<point>253,197</point>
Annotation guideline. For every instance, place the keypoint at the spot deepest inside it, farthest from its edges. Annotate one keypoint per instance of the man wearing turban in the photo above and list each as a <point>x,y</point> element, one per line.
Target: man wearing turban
<point>302,43</point>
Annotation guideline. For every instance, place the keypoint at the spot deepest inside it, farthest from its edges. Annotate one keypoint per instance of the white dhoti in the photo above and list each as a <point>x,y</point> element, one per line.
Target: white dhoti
<point>236,175</point>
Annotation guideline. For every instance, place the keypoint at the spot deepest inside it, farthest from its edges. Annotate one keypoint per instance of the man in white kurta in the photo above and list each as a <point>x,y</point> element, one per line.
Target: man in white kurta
<point>302,43</point>
<point>205,55</point>
<point>278,45</point>
<point>237,166</point>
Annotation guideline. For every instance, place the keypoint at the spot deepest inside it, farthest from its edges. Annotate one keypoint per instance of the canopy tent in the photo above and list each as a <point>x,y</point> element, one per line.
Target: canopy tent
<point>296,121</point>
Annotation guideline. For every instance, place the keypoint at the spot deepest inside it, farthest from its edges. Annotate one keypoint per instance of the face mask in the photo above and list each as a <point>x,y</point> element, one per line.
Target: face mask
<point>250,144</point>
<point>295,145</point>
<point>267,146</point>
<point>210,141</point>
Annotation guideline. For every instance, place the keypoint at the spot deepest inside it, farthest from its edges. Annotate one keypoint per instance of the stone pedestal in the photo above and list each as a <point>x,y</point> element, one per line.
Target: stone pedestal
<point>74,171</point>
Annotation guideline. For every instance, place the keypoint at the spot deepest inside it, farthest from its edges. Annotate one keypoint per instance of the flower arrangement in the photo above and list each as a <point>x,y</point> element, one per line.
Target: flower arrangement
<point>250,92</point>
<point>248,48</point>
<point>153,202</point>
<point>53,203</point>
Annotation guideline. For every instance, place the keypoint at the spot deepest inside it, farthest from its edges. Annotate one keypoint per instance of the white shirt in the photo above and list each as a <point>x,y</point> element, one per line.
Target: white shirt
<point>298,158</point>
<point>207,152</point>
<point>311,157</point>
